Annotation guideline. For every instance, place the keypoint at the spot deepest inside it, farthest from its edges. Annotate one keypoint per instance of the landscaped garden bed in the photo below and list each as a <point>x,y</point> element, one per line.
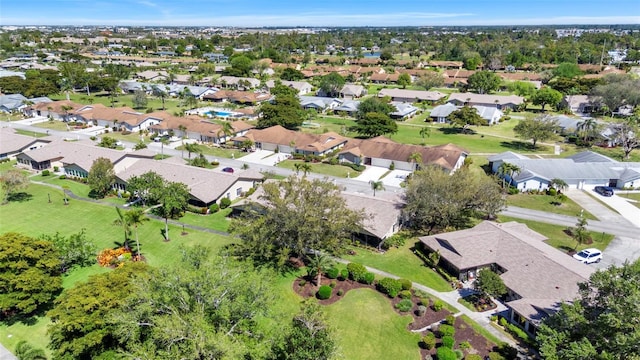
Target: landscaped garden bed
<point>480,302</point>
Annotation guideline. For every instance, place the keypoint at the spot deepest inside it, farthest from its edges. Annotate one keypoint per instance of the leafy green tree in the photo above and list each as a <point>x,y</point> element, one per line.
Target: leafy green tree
<point>308,337</point>
<point>101,177</point>
<point>373,105</point>
<point>284,111</point>
<point>331,84</point>
<point>430,79</point>
<point>522,88</point>
<point>160,94</point>
<point>386,55</point>
<point>602,323</point>
<point>26,351</point>
<point>579,233</point>
<point>297,215</point>
<point>291,74</point>
<point>588,130</point>
<point>139,99</point>
<point>11,182</point>
<point>199,161</point>
<point>464,117</point>
<point>484,82</point>
<point>375,124</point>
<point>240,66</point>
<point>82,320</point>
<point>75,250</point>
<point>173,197</point>
<point>540,128</point>
<point>436,199</point>
<point>147,187</point>
<point>490,283</point>
<point>108,142</point>
<point>567,70</point>
<point>558,184</point>
<point>472,60</point>
<point>404,80</point>
<point>29,274</point>
<point>545,96</point>
<point>616,92</point>
<point>316,264</point>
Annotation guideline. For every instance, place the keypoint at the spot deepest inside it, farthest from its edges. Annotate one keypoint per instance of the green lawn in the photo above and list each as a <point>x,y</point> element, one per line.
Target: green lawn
<point>559,239</point>
<point>632,196</point>
<point>31,133</point>
<point>543,203</point>
<point>34,332</point>
<point>215,151</point>
<point>52,125</point>
<point>401,262</point>
<point>216,221</point>
<point>321,168</point>
<point>367,327</point>
<point>480,330</point>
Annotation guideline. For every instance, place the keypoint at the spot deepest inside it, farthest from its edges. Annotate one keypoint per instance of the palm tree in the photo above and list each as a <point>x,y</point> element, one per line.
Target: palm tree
<point>587,129</point>
<point>425,132</point>
<point>558,184</point>
<point>508,169</point>
<point>317,264</point>
<point>416,158</point>
<point>157,92</point>
<point>136,217</point>
<point>183,131</point>
<point>227,130</point>
<point>191,148</point>
<point>376,185</point>
<point>579,233</point>
<point>123,221</point>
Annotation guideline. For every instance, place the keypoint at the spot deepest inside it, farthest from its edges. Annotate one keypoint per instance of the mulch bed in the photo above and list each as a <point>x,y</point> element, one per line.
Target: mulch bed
<point>464,332</point>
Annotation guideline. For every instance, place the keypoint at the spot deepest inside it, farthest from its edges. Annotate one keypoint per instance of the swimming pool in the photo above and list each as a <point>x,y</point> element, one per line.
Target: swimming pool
<point>220,113</point>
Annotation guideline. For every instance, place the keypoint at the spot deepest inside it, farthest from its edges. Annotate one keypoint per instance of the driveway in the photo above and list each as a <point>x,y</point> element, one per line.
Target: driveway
<point>598,209</point>
<point>622,206</point>
<point>372,173</point>
<point>263,157</point>
<point>620,249</point>
<point>395,178</point>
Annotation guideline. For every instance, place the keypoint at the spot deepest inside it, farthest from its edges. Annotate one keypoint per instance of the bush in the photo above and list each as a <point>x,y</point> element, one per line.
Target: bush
<point>369,277</point>
<point>355,167</point>
<point>356,271</point>
<point>214,208</point>
<point>324,292</point>
<point>495,356</point>
<point>404,305</point>
<point>459,354</point>
<point>445,353</point>
<point>251,191</point>
<point>215,163</point>
<point>552,192</point>
<point>425,301</point>
<point>448,341</point>
<point>507,351</point>
<point>473,357</point>
<point>332,273</point>
<point>429,341</point>
<point>446,330</point>
<point>438,305</point>
<point>422,310</point>
<point>392,166</point>
<point>465,345</point>
<point>340,292</point>
<point>62,177</point>
<point>46,173</point>
<point>389,286</point>
<point>55,168</point>
<point>302,282</point>
<point>332,284</point>
<point>224,203</point>
<point>405,294</point>
<point>406,284</point>
<point>450,320</point>
<point>344,274</point>
<point>513,190</point>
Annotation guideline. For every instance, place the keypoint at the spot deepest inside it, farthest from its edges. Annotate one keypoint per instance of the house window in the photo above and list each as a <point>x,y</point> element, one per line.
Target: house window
<point>238,191</point>
<point>228,195</point>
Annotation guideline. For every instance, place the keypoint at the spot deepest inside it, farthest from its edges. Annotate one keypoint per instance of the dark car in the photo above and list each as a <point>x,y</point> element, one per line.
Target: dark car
<point>604,190</point>
<point>228,170</point>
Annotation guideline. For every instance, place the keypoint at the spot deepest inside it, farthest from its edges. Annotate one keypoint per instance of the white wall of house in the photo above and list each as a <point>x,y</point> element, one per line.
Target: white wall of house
<point>399,165</point>
<point>236,190</point>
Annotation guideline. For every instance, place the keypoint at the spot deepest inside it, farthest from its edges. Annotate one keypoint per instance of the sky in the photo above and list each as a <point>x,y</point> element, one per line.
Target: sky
<point>258,13</point>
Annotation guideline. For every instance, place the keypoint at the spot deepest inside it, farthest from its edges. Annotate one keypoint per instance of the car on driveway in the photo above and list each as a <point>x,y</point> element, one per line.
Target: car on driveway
<point>589,256</point>
<point>228,170</point>
<point>604,190</point>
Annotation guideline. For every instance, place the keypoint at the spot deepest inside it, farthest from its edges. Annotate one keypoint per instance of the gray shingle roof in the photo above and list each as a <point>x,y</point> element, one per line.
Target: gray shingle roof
<point>443,110</point>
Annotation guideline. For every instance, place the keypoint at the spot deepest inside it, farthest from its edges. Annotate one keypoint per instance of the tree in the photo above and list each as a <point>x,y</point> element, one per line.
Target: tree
<point>540,128</point>
<point>522,88</point>
<point>579,233</point>
<point>284,111</point>
<point>298,215</point>
<point>146,187</point>
<point>83,317</point>
<point>376,186</point>
<point>199,161</point>
<point>159,93</point>
<point>425,132</point>
<point>240,66</point>
<point>464,117</point>
<point>588,130</point>
<point>373,105</point>
<point>75,250</point>
<point>12,181</point>
<point>192,148</point>
<point>616,92</point>
<point>507,169</point>
<point>139,99</point>
<point>627,134</point>
<point>567,71</point>
<point>558,184</point>
<point>316,264</point>
<point>484,82</point>
<point>307,338</point>
<point>545,96</point>
<point>490,283</point>
<point>173,197</point>
<point>331,84</point>
<point>29,274</point>
<point>101,177</point>
<point>26,351</point>
<point>404,80</point>
<point>436,199</point>
<point>291,74</point>
<point>602,323</point>
<point>226,130</point>
<point>136,217</point>
<point>304,167</point>
<point>386,55</point>
<point>108,142</point>
<point>430,79</point>
<point>375,124</point>
<point>472,60</point>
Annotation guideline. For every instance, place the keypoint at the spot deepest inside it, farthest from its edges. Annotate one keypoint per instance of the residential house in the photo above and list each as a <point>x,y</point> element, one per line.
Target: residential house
<point>584,170</point>
<point>302,87</point>
<point>239,83</point>
<point>539,278</point>
<point>446,64</point>
<point>410,96</point>
<point>491,114</point>
<point>239,97</point>
<point>152,75</point>
<point>440,113</point>
<point>12,102</point>
<point>277,138</point>
<point>498,101</point>
<point>319,103</point>
<point>12,144</point>
<point>349,107</point>
<point>382,152</point>
<point>579,104</point>
<point>351,91</point>
<point>403,111</point>
<point>123,118</point>
<point>214,57</point>
<point>61,110</point>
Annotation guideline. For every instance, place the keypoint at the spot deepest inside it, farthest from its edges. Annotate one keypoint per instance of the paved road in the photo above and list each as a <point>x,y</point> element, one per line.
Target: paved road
<point>6,354</point>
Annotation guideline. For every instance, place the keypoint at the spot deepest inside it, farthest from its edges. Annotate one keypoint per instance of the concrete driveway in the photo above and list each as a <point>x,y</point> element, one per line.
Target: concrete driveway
<point>372,173</point>
<point>264,157</point>
<point>395,178</point>
<point>622,206</point>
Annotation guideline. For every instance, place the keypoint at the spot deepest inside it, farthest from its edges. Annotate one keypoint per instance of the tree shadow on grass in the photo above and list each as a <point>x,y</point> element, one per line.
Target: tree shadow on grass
<point>19,197</point>
<point>521,146</point>
<point>455,131</point>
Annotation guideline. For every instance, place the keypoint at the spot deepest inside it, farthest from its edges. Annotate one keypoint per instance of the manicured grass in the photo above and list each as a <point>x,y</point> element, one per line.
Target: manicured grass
<point>559,239</point>
<point>214,151</point>
<point>52,125</point>
<point>543,203</point>
<point>75,187</point>
<point>172,105</point>
<point>632,196</point>
<point>321,168</point>
<point>480,330</point>
<point>34,332</point>
<point>367,327</point>
<point>467,304</point>
<point>30,133</point>
<point>216,221</point>
<point>401,262</point>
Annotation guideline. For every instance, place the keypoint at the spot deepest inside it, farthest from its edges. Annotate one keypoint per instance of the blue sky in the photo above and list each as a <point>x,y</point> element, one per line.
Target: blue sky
<point>317,12</point>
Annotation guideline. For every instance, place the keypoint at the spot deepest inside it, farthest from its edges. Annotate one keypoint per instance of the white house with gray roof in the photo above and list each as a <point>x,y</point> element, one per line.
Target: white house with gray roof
<point>488,100</point>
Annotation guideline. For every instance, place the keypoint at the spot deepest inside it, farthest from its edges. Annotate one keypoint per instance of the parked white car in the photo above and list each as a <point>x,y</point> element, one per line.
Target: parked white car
<point>589,256</point>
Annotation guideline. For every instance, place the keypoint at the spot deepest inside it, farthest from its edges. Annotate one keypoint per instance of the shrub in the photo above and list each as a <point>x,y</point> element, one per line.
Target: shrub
<point>251,191</point>
<point>332,284</point>
<point>62,177</point>
<point>215,163</point>
<point>354,166</point>
<point>406,284</point>
<point>438,305</point>
<point>425,301</point>
<point>369,277</point>
<point>513,190</point>
<point>422,310</point>
<point>507,351</point>
<point>503,322</point>
<point>450,319</point>
<point>93,138</point>
<point>55,168</point>
<point>389,286</point>
<point>302,282</point>
<point>494,317</point>
<point>340,292</point>
<point>324,292</point>
<point>356,271</point>
<point>445,353</point>
<point>405,294</point>
<point>46,173</point>
<point>465,345</point>
<point>429,341</point>
<point>495,356</point>
<point>446,330</point>
<point>448,341</point>
<point>224,203</point>
<point>552,192</point>
<point>344,274</point>
<point>459,354</point>
<point>332,273</point>
<point>214,208</point>
<point>392,166</point>
<point>404,305</point>
<point>473,357</point>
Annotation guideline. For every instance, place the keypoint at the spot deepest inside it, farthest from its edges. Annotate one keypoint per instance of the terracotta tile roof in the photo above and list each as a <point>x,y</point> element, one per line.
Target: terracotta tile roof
<point>304,141</point>
<point>436,63</point>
